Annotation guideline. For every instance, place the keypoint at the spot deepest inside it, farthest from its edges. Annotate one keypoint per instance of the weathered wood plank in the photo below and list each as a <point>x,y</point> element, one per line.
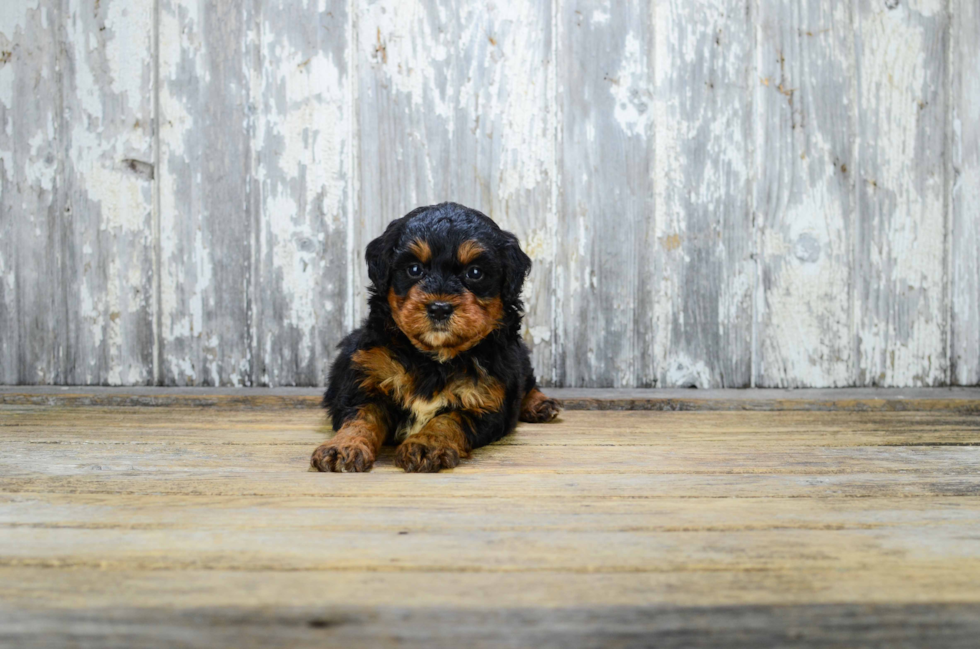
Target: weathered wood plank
<point>403,625</point>
<point>34,234</point>
<point>112,511</point>
<point>694,267</point>
<point>293,482</point>
<point>200,589</point>
<point>26,458</point>
<point>300,188</point>
<point>605,83</point>
<point>901,226</point>
<point>694,453</point>
<point>682,431</point>
<point>805,95</point>
<point>109,110</point>
<point>964,235</point>
<point>206,204</point>
<point>456,103</point>
<point>569,552</point>
<point>77,98</point>
<point>961,400</point>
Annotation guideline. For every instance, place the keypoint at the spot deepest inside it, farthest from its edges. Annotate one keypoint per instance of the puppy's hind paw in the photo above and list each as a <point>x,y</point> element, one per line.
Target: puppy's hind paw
<point>538,409</point>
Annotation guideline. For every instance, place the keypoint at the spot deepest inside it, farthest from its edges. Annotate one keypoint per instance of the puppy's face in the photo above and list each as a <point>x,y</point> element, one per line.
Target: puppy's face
<point>449,276</point>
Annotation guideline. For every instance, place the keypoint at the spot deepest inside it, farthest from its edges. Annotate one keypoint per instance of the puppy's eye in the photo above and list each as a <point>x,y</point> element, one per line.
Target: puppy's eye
<point>415,270</point>
<point>474,273</point>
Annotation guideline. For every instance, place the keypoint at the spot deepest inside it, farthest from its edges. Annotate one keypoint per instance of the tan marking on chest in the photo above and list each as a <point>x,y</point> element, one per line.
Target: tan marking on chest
<point>385,375</point>
<point>477,396</point>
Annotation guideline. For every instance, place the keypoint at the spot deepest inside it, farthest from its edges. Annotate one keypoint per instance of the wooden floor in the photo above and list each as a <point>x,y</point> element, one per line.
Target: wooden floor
<point>202,527</point>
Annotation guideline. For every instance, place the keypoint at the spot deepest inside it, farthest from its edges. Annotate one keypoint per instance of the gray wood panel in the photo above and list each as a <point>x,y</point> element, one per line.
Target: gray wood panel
<point>605,82</point>
<point>33,308</point>
<point>76,89</point>
<point>964,128</point>
<point>901,226</point>
<point>953,625</point>
<point>806,110</point>
<point>695,269</point>
<point>721,193</point>
<point>206,230</point>
<point>108,118</point>
<point>300,189</point>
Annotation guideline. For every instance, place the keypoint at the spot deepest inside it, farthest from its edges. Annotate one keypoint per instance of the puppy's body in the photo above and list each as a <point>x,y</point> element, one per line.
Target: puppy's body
<point>438,365</point>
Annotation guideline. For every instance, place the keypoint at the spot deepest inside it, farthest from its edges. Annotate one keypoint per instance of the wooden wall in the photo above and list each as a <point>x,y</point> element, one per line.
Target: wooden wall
<point>715,193</point>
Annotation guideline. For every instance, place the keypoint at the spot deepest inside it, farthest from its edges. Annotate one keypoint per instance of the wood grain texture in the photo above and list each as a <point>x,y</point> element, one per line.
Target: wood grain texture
<point>134,526</point>
<point>722,193</point>
<point>901,226</point>
<point>964,234</point>
<point>668,625</point>
<point>206,230</point>
<point>605,84</point>
<point>455,103</point>
<point>36,280</point>
<point>109,111</point>
<point>695,271</point>
<point>959,400</point>
<point>76,92</point>
<point>300,189</point>
<point>805,100</point>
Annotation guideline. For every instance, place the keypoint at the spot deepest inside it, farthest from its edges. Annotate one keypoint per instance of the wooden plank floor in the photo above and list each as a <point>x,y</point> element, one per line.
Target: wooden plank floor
<point>202,527</point>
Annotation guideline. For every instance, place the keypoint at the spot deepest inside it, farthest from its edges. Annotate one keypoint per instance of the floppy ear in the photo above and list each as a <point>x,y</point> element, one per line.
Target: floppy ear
<point>379,255</point>
<point>516,267</point>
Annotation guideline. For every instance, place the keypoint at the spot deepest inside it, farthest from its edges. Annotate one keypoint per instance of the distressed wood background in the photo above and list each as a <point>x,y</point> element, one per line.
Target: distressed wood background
<point>715,193</point>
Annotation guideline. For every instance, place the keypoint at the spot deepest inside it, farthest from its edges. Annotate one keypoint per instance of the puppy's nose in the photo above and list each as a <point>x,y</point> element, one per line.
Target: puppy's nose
<point>439,311</point>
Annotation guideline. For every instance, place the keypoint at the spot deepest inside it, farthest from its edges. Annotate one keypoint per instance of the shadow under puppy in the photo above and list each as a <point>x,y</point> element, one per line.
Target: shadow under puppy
<point>438,365</point>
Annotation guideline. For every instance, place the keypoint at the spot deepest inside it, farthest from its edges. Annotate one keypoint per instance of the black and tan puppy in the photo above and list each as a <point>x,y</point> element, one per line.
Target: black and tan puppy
<point>438,365</point>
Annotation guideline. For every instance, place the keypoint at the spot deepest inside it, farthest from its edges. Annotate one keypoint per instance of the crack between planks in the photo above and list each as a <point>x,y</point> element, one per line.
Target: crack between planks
<point>948,172</point>
<point>157,321</point>
<point>556,319</point>
<point>353,187</point>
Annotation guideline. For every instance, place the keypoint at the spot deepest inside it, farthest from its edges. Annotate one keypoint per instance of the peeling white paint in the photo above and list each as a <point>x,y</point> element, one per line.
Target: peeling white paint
<point>630,89</point>
<point>902,202</point>
<point>407,42</point>
<point>804,198</point>
<point>964,259</point>
<point>630,195</point>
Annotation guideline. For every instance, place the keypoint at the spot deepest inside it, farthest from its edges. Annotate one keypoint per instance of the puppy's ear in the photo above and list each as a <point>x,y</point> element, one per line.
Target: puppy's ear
<point>516,267</point>
<point>379,256</point>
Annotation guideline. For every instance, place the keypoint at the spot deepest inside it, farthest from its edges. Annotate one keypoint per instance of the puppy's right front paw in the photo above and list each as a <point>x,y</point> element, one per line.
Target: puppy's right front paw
<point>347,456</point>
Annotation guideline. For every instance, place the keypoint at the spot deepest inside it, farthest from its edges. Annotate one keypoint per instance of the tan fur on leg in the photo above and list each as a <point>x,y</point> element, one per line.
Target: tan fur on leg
<point>439,445</point>
<point>355,446</point>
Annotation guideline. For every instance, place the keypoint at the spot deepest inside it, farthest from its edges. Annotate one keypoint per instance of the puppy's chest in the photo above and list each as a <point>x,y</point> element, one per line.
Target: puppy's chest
<point>476,395</point>
<point>474,392</point>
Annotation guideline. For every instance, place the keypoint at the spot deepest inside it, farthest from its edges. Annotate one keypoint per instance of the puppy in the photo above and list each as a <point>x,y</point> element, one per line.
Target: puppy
<point>438,366</point>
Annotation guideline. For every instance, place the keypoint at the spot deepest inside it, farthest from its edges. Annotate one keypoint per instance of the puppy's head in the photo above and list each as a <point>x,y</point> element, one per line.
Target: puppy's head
<point>449,276</point>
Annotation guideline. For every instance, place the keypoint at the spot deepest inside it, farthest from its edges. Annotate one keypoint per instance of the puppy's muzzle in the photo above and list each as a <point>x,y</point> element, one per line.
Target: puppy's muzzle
<point>439,312</point>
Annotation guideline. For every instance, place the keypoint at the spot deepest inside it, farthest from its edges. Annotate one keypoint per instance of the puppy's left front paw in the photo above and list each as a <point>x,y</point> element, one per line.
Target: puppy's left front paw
<point>426,454</point>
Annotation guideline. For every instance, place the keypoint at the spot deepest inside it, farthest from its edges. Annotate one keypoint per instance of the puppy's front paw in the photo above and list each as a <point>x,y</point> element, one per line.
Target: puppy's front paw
<point>426,454</point>
<point>347,456</point>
